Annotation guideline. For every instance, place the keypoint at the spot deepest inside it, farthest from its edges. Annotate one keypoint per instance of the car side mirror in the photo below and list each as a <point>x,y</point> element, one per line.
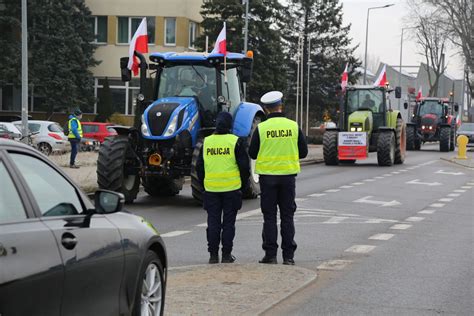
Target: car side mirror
<point>107,202</point>
<point>398,92</point>
<point>456,107</point>
<point>405,105</point>
<point>126,73</point>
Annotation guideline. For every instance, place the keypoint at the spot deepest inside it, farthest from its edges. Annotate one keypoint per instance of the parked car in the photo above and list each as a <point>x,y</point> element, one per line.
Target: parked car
<point>468,130</point>
<point>50,137</point>
<point>67,256</point>
<point>89,144</point>
<point>98,131</point>
<point>15,132</point>
<point>4,133</point>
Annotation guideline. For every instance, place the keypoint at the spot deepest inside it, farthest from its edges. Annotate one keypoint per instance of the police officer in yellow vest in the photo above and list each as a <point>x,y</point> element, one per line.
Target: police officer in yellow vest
<point>223,166</point>
<point>277,144</point>
<point>74,135</point>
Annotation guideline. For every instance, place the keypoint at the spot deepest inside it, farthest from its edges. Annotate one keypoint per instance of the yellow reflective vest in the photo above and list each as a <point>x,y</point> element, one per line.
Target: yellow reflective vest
<point>79,128</point>
<point>278,153</point>
<point>221,172</point>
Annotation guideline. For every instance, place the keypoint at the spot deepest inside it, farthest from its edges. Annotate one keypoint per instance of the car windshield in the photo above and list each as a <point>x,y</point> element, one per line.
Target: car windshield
<point>365,100</point>
<point>431,107</point>
<point>190,81</point>
<point>467,127</point>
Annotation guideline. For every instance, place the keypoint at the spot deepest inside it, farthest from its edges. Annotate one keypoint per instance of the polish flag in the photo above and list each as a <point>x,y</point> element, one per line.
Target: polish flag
<point>138,43</point>
<point>344,78</point>
<point>382,78</point>
<point>220,46</point>
<point>419,94</point>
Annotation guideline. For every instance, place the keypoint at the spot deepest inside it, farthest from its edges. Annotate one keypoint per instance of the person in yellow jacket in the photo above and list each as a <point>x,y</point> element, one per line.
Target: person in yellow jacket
<point>223,167</point>
<point>74,136</point>
<point>277,144</point>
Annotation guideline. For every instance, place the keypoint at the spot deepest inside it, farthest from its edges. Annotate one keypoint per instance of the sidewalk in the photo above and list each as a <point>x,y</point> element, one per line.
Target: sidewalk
<point>232,289</point>
<point>86,176</point>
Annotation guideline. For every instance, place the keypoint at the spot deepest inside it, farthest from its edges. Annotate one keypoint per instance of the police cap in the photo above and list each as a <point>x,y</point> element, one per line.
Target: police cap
<point>271,99</point>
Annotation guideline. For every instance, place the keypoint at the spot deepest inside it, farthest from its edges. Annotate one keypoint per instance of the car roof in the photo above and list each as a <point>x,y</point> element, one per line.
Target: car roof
<point>14,144</point>
<point>38,122</point>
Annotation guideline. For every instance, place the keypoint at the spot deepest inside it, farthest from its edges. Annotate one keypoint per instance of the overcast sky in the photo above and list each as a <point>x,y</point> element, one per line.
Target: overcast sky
<point>385,27</point>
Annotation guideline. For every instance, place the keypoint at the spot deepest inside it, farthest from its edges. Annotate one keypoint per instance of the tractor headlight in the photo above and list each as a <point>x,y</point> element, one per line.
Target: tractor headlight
<point>172,126</point>
<point>145,131</point>
<point>359,129</point>
<point>431,127</point>
<point>353,129</point>
<point>423,126</point>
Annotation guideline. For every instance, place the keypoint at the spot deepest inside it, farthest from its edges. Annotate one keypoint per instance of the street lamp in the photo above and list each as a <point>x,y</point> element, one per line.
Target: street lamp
<point>401,51</point>
<point>367,36</point>
<point>246,35</point>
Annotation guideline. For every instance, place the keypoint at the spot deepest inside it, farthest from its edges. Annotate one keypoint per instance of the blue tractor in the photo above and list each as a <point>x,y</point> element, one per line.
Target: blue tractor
<point>176,108</point>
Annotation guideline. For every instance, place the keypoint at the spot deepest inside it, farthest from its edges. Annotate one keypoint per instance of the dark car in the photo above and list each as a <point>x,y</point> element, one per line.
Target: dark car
<point>468,130</point>
<point>61,255</point>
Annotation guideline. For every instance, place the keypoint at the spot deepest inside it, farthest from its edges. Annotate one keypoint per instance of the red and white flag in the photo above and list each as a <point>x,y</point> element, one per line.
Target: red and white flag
<point>382,78</point>
<point>345,78</point>
<point>220,47</point>
<point>138,43</point>
<point>419,95</point>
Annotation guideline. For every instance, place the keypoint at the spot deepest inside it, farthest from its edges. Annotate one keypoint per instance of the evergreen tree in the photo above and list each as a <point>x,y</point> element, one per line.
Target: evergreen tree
<point>321,21</point>
<point>264,39</point>
<point>60,51</point>
<point>104,106</point>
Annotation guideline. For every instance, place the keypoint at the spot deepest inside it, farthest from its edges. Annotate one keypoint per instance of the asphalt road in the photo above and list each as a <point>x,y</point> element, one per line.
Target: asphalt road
<point>384,240</point>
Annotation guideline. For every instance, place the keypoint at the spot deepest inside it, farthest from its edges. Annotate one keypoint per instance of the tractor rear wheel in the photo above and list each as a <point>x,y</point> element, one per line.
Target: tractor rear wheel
<point>330,153</point>
<point>163,186</point>
<point>417,143</point>
<point>453,139</point>
<point>252,189</point>
<point>197,188</point>
<point>386,148</point>
<point>411,137</point>
<point>401,140</point>
<point>445,139</point>
<point>116,168</point>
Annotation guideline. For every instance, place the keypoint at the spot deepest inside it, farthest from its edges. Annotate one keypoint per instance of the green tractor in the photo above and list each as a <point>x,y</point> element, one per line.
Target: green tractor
<point>367,124</point>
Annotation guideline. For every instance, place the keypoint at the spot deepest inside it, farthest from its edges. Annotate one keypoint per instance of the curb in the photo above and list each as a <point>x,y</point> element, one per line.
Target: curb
<point>454,161</point>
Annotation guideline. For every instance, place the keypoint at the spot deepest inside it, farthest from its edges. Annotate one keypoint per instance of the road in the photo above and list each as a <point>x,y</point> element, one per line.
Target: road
<point>383,240</point>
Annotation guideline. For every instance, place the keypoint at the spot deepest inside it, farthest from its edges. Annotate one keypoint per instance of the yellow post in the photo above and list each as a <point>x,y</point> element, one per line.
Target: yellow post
<point>462,146</point>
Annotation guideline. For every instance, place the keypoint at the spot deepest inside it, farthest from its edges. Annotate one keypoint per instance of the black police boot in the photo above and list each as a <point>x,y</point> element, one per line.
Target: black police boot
<point>214,258</point>
<point>268,260</point>
<point>288,261</point>
<point>227,258</point>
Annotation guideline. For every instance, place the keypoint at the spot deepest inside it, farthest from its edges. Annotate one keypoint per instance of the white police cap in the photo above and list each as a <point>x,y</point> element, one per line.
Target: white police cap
<point>272,98</point>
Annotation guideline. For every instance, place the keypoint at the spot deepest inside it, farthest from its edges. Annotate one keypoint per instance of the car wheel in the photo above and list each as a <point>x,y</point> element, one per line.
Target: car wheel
<point>45,148</point>
<point>150,299</point>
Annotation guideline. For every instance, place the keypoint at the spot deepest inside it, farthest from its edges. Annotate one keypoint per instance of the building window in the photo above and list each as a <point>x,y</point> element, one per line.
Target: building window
<point>192,34</point>
<point>123,94</point>
<point>99,27</point>
<point>128,25</point>
<point>170,31</point>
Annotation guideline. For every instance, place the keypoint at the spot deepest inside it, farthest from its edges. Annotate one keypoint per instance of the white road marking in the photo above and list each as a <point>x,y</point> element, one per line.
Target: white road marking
<point>379,177</point>
<point>335,220</point>
<point>334,265</point>
<point>401,226</point>
<point>411,168</point>
<point>381,236</point>
<point>427,163</point>
<point>369,180</point>
<point>357,183</point>
<point>388,175</point>
<point>414,219</point>
<point>332,190</point>
<point>360,249</point>
<point>449,172</point>
<point>317,194</point>
<point>459,191</point>
<point>417,181</point>
<point>454,194</point>
<point>470,183</point>
<point>437,205</point>
<point>466,187</point>
<point>366,199</point>
<point>403,170</point>
<point>395,172</point>
<point>175,233</point>
<point>379,221</point>
<point>346,187</point>
<point>445,200</point>
<point>426,212</point>
<point>300,199</point>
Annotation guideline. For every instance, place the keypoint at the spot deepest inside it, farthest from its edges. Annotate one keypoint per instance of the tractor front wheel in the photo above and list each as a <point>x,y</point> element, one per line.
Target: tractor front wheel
<point>197,187</point>
<point>445,139</point>
<point>411,137</point>
<point>453,139</point>
<point>401,141</point>
<point>386,148</point>
<point>330,153</point>
<point>116,169</point>
<point>252,189</point>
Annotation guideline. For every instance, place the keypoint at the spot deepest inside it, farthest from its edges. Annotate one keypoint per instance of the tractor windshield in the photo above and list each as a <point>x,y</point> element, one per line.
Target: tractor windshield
<point>365,100</point>
<point>190,81</point>
<point>431,107</point>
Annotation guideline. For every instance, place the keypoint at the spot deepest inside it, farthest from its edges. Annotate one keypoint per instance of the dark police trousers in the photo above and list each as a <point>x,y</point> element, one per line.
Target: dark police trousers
<point>278,191</point>
<point>221,210</point>
<point>74,144</point>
